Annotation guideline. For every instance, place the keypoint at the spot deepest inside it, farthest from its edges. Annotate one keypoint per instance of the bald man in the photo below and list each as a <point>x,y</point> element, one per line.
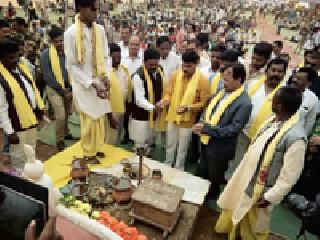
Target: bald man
<point>132,62</point>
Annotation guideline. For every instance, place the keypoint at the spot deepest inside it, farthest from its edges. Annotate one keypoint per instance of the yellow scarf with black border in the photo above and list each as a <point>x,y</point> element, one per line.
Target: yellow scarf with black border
<point>269,153</point>
<point>26,115</point>
<point>55,65</point>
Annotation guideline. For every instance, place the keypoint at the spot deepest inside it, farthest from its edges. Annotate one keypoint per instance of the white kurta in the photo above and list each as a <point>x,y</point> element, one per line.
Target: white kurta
<point>131,63</point>
<point>169,65</point>
<point>308,110</point>
<point>85,96</point>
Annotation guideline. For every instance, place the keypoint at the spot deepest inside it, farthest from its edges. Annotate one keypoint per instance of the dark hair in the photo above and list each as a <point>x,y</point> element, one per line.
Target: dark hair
<point>230,56</point>
<point>278,43</point>
<point>312,74</point>
<point>190,41</point>
<point>190,57</point>
<point>307,52</point>
<point>4,23</point>
<point>161,40</point>
<point>7,46</point>
<point>151,53</point>
<point>193,26</point>
<point>316,55</point>
<point>219,48</point>
<point>277,61</point>
<point>20,21</point>
<point>114,48</point>
<point>290,98</point>
<point>263,49</point>
<point>55,32</point>
<point>84,3</point>
<point>203,38</point>
<point>238,71</point>
<point>17,40</point>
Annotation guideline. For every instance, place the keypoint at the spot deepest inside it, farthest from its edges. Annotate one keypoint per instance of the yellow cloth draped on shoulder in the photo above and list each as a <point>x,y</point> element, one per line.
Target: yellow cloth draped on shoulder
<point>39,101</point>
<point>266,109</point>
<point>160,123</point>
<point>215,83</point>
<point>55,65</point>
<point>116,96</point>
<point>25,113</point>
<point>183,99</point>
<point>98,58</point>
<point>213,119</point>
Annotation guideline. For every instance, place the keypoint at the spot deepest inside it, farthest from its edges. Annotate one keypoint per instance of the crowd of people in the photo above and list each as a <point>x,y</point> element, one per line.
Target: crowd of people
<point>198,81</point>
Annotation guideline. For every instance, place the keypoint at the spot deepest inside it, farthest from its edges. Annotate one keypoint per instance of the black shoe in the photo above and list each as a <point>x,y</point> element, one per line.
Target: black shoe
<point>61,146</point>
<point>71,138</point>
<point>125,140</point>
<point>100,155</point>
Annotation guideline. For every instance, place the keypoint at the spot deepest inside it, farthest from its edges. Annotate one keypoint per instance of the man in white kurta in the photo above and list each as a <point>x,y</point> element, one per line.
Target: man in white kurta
<point>86,88</point>
<point>310,102</point>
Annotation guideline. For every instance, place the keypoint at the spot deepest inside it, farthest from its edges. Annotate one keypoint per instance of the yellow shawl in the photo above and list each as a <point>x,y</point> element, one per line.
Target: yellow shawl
<point>55,65</point>
<point>25,113</point>
<point>215,83</point>
<point>98,61</point>
<point>268,156</point>
<point>160,125</point>
<point>213,119</point>
<point>25,69</point>
<point>264,113</point>
<point>256,85</point>
<point>186,99</point>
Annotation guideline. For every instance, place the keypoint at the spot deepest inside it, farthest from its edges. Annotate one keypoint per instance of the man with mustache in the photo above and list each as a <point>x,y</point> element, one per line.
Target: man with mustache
<point>147,92</point>
<point>260,57</point>
<point>261,93</point>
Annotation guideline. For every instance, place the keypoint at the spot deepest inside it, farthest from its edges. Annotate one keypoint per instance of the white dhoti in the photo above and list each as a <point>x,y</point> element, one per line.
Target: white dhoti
<point>141,133</point>
<point>113,136</point>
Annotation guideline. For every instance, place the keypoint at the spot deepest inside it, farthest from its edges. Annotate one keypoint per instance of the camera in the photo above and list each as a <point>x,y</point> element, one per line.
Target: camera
<point>307,211</point>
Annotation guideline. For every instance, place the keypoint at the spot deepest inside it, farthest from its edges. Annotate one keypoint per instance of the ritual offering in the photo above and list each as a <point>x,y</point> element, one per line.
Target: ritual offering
<point>80,169</point>
<point>122,190</point>
<point>100,188</point>
<point>157,203</point>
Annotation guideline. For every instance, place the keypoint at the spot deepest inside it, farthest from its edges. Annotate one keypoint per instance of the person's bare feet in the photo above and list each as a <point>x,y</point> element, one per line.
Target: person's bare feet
<point>100,155</point>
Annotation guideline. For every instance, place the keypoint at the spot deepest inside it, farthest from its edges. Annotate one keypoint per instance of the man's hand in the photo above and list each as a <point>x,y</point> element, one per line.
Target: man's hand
<point>182,109</point>
<point>13,138</point>
<point>68,94</point>
<point>106,82</point>
<point>163,104</point>
<point>101,91</point>
<point>314,141</point>
<point>49,232</point>
<point>262,203</point>
<point>112,121</point>
<point>197,129</point>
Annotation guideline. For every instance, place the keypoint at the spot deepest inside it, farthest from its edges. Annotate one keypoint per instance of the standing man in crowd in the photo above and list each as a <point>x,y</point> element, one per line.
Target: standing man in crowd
<point>120,94</point>
<point>225,117</point>
<point>148,89</point>
<point>58,88</point>
<point>86,48</point>
<point>185,97</point>
<point>21,104</point>
<point>269,169</point>
<point>261,92</point>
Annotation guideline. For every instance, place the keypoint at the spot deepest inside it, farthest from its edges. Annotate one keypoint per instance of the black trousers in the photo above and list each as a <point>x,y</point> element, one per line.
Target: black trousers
<point>212,169</point>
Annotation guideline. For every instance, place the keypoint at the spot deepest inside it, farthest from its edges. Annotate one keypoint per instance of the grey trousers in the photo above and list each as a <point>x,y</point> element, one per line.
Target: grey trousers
<point>243,143</point>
